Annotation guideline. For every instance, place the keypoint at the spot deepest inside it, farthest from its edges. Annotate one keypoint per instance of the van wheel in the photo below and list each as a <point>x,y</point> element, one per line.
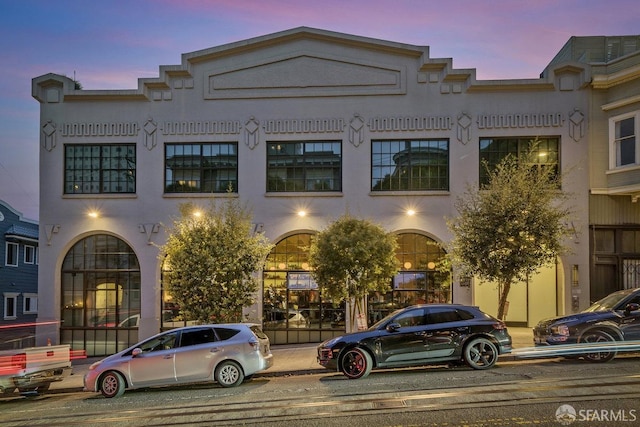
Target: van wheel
<point>229,374</point>
<point>112,385</point>
<point>599,337</point>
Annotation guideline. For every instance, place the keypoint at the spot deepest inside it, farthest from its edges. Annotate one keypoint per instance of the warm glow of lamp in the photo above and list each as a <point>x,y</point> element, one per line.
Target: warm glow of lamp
<point>305,266</point>
<point>282,265</point>
<point>407,265</point>
<point>431,265</point>
<point>93,214</point>
<point>197,214</point>
<point>411,212</point>
<point>302,213</point>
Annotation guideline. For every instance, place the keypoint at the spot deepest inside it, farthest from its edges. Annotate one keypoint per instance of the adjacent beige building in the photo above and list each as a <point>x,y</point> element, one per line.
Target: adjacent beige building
<point>321,123</point>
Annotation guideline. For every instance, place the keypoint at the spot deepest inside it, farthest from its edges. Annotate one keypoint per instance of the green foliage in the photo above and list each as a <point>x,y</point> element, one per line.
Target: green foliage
<point>353,257</point>
<point>511,227</point>
<point>211,260</point>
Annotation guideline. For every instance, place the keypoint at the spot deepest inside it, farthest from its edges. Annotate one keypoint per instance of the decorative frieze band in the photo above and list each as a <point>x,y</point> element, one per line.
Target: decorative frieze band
<point>202,127</point>
<point>303,125</point>
<point>99,129</point>
<point>394,124</point>
<point>495,121</point>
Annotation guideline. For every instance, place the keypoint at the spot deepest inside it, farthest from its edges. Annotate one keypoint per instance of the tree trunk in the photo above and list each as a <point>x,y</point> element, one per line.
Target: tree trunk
<point>506,287</point>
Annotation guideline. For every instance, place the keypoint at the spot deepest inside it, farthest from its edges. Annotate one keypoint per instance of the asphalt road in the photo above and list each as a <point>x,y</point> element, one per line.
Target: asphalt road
<point>514,393</point>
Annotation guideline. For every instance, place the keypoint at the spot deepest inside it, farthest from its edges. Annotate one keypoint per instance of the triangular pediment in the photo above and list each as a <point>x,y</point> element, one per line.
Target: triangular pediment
<point>304,74</point>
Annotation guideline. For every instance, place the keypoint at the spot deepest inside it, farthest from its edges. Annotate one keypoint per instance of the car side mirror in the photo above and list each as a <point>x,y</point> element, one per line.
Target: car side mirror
<point>392,327</point>
<point>631,307</point>
<point>136,352</point>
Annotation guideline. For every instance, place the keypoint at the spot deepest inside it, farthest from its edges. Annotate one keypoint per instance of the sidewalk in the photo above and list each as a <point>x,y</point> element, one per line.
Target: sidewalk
<point>290,359</point>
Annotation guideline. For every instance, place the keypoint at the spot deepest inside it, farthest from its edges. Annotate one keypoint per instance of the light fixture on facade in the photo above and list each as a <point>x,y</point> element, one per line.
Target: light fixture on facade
<point>411,212</point>
<point>431,265</point>
<point>302,213</point>
<point>407,265</point>
<point>197,213</point>
<point>93,214</point>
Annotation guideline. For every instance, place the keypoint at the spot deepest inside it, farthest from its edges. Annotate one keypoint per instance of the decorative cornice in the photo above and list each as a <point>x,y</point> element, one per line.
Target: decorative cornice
<point>606,81</point>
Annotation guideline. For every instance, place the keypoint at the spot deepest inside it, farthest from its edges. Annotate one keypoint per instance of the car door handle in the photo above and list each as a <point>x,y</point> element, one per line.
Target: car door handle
<point>214,349</point>
<point>168,356</point>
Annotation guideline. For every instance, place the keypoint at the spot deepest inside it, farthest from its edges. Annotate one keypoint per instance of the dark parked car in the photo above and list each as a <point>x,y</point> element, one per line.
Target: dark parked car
<point>615,317</point>
<point>416,336</point>
<point>226,353</point>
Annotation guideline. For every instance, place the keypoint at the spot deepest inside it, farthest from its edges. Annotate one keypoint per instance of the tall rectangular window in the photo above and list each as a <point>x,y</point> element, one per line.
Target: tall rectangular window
<point>10,305</point>
<point>410,165</point>
<point>29,254</point>
<point>623,136</point>
<point>540,152</point>
<point>11,254</point>
<point>29,303</point>
<point>304,166</point>
<point>201,168</point>
<point>98,169</point>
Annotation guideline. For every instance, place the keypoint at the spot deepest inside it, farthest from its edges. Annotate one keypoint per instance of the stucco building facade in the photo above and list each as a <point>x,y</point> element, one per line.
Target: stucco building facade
<point>304,120</point>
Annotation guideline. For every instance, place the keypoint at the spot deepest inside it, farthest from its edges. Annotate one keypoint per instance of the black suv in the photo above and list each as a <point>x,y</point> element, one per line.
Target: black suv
<point>416,336</point>
<point>615,317</point>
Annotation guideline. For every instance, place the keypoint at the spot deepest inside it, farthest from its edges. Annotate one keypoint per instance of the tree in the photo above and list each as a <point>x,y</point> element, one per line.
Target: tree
<point>351,258</point>
<point>509,228</point>
<point>211,261</point>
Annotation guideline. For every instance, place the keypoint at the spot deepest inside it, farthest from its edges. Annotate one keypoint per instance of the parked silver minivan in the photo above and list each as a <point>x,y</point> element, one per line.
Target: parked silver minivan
<point>225,353</point>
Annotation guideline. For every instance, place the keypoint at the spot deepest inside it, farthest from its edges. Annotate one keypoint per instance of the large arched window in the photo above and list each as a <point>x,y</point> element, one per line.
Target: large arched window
<point>100,295</point>
<point>293,308</point>
<point>420,279</point>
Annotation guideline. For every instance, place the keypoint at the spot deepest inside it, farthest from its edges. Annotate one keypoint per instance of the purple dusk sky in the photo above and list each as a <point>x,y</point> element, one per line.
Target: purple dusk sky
<point>109,44</point>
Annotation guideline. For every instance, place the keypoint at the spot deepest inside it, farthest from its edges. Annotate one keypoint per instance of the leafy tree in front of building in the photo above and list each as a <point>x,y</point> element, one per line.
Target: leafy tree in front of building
<point>510,227</point>
<point>351,258</point>
<point>211,261</point>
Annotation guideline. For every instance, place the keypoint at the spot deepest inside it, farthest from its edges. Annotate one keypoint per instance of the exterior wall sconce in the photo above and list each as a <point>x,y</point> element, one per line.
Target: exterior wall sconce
<point>302,213</point>
<point>411,212</point>
<point>93,214</point>
<point>575,276</point>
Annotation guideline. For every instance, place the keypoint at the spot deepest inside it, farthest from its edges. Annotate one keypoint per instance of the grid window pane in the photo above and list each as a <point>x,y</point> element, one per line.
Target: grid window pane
<point>95,169</point>
<point>304,166</point>
<point>544,153</point>
<point>201,168</point>
<point>409,165</point>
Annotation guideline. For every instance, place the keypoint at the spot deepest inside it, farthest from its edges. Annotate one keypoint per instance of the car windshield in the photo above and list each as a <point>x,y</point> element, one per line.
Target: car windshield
<point>608,303</point>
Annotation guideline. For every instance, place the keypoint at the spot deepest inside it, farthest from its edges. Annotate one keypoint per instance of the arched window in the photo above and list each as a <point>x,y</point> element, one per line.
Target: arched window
<point>100,308</point>
<point>293,307</point>
<point>419,280</point>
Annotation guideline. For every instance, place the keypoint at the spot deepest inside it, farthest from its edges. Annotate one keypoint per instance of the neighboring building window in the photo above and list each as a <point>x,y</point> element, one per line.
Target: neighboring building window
<point>97,169</point>
<point>30,303</point>
<point>304,166</point>
<point>201,168</point>
<point>11,254</point>
<point>29,254</point>
<point>544,153</point>
<point>410,165</point>
<point>10,305</point>
<point>623,136</point>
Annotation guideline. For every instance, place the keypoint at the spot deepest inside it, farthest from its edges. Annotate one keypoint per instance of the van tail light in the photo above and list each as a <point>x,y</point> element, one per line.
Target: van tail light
<point>255,345</point>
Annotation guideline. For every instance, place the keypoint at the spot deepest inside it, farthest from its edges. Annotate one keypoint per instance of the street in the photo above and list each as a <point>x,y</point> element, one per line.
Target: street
<point>525,392</point>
